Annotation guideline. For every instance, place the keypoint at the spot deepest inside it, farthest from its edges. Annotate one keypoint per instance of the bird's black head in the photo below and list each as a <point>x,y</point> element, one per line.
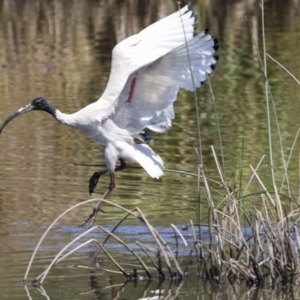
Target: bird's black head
<point>41,103</point>
<point>36,104</point>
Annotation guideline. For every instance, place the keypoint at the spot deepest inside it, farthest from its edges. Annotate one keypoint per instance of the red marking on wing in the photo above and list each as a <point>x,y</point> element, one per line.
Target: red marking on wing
<point>135,44</point>
<point>132,86</point>
<point>103,122</point>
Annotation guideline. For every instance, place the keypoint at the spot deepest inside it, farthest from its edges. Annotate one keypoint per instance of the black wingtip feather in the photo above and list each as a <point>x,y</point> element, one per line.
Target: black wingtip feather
<point>216,57</point>
<point>206,30</point>
<point>213,67</point>
<point>189,8</point>
<point>193,12</point>
<point>216,47</point>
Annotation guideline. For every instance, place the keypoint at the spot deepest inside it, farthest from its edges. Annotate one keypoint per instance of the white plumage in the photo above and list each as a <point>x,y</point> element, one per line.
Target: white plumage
<point>146,73</point>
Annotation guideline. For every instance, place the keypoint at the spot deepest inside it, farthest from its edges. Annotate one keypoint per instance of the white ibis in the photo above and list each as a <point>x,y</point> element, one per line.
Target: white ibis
<point>146,73</point>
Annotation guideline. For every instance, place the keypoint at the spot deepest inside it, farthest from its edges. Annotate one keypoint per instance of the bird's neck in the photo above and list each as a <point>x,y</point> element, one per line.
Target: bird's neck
<point>50,109</point>
<point>66,119</point>
<point>76,120</point>
<point>80,119</point>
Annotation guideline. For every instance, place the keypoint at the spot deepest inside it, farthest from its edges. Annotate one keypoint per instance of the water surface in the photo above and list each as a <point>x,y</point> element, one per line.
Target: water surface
<point>62,51</point>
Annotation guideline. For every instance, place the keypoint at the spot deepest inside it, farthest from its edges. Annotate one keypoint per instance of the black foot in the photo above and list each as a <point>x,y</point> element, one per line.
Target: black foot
<point>95,177</point>
<point>94,180</point>
<point>93,216</point>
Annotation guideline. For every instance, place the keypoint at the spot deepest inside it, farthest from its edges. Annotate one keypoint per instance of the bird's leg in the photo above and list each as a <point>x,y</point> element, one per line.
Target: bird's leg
<point>95,177</point>
<point>111,186</point>
<point>96,208</point>
<point>122,166</point>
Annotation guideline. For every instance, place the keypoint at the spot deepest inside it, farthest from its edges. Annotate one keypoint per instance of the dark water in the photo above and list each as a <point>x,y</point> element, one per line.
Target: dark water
<point>62,50</point>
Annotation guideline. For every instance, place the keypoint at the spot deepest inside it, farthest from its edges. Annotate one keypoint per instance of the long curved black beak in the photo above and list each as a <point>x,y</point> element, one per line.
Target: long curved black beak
<point>29,107</point>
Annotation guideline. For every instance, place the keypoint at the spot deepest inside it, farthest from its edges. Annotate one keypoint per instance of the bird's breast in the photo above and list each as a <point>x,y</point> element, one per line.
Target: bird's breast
<point>106,131</point>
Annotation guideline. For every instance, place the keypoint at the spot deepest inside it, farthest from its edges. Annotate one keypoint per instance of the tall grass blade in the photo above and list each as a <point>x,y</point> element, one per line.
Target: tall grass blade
<point>268,101</point>
<point>195,92</point>
<point>271,161</point>
<point>252,176</point>
<point>218,125</point>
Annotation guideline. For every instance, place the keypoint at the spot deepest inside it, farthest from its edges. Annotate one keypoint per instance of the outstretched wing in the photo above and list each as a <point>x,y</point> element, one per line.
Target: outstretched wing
<point>142,49</point>
<point>148,96</point>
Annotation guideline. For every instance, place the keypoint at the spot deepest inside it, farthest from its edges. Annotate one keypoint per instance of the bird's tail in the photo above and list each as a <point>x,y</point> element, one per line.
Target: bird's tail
<point>149,160</point>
